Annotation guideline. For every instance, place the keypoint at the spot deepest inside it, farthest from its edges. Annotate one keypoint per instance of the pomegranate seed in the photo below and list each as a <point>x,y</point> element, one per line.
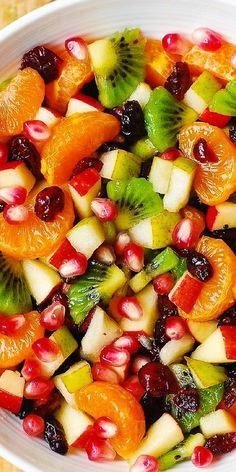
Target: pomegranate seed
<point>202,457</point>
<point>13,195</point>
<point>130,308</point>
<point>105,428</point>
<point>38,388</point>
<point>133,385</point>
<point>53,316</point>
<point>82,441</point>
<point>139,362</point>
<point>105,254</point>
<point>175,327</point>
<point>207,39</point>
<point>33,425</point>
<point>174,43</point>
<point>74,267</point>
<point>134,257</point>
<point>104,373</point>
<point>3,153</point>
<point>203,153</point>
<point>163,284</point>
<point>36,131</point>
<point>104,209</point>
<point>9,325</point>
<point>114,356</point>
<point>233,64</point>
<point>77,48</point>
<point>31,369</point>
<point>15,214</point>
<point>215,119</point>
<point>171,154</point>
<point>185,234</point>
<point>145,464</point>
<point>100,450</point>
<point>127,342</point>
<point>46,350</point>
<point>195,215</point>
<point>49,202</point>
<point>122,240</point>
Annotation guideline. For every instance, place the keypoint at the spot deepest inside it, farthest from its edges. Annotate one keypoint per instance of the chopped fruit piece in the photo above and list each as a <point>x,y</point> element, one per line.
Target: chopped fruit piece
<point>105,428</point>
<point>41,279</point>
<point>15,349</point>
<point>104,209</point>
<point>218,422</point>
<point>157,379</point>
<point>175,349</point>
<point>201,330</point>
<point>76,377</point>
<point>48,116</point>
<point>205,374</point>
<point>186,234</point>
<point>36,131</point>
<point>139,362</point>
<point>100,450</point>
<point>77,48</point>
<point>16,174</point>
<point>163,284</point>
<point>87,236</point>
<point>20,101</point>
<point>38,388</point>
<point>201,92</point>
<point>160,173</point>
<point>82,104</point>
<point>64,253</point>
<point>155,232</point>
<point>105,374</point>
<point>49,203</point>
<point>179,80</point>
<point>181,452</point>
<point>141,94</point>
<point>114,356</point>
<point>207,39</point>
<point>185,292</point>
<point>85,180</point>
<point>216,294</point>
<point>202,457</point>
<point>43,60</point>
<point>219,347</point>
<point>129,342</point>
<point>133,385</point>
<point>33,425</point>
<point>46,350</point>
<point>122,240</point>
<point>11,391</point>
<point>105,254</point>
<point>221,216</point>
<point>31,369</point>
<point>193,214</point>
<point>58,160</point>
<point>180,184</point>
<point>145,464</point>
<point>13,195</point>
<point>159,64</point>
<point>176,327</point>
<point>113,401</point>
<point>120,165</point>
<point>161,437</point>
<point>93,186</point>
<point>214,119</point>
<point>203,153</point>
<point>176,44</point>
<point>73,421</point>
<point>144,149</point>
<point>134,257</point>
<point>129,307</point>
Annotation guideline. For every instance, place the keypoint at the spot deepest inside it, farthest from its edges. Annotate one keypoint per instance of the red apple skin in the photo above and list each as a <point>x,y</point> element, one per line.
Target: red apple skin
<point>10,402</point>
<point>89,100</point>
<point>229,336</point>
<point>84,181</point>
<point>211,217</point>
<point>11,165</point>
<point>215,119</point>
<point>186,292</point>
<point>65,252</point>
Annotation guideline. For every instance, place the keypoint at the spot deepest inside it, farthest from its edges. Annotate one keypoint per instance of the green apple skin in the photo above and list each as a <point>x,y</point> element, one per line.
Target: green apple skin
<point>205,374</point>
<point>78,376</point>
<point>120,165</point>
<point>180,186</point>
<point>160,174</point>
<point>87,236</point>
<point>201,92</point>
<point>155,232</point>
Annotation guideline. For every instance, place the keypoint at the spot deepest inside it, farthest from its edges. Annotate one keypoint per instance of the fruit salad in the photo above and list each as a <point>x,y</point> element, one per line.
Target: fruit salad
<point>117,247</point>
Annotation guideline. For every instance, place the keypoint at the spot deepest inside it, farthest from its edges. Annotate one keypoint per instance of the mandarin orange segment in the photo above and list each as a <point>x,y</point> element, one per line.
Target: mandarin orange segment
<point>35,238</point>
<point>73,75</point>
<point>214,182</point>
<point>159,65</point>
<point>20,101</point>
<point>14,349</point>
<point>217,62</point>
<point>74,138</point>
<point>216,295</point>
<point>104,399</point>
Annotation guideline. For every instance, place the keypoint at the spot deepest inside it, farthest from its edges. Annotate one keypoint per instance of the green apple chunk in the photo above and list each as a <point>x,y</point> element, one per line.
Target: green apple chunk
<point>201,330</point>
<point>201,92</point>
<point>83,202</point>
<point>160,174</point>
<point>175,349</point>
<point>76,377</point>
<point>40,278</point>
<point>148,302</point>
<point>180,186</point>
<point>161,437</point>
<point>213,349</point>
<point>87,236</point>
<point>155,232</point>
<point>120,165</point>
<point>181,452</point>
<point>141,94</point>
<point>205,374</point>
<point>73,421</point>
<point>144,149</point>
<point>102,331</point>
<point>217,422</point>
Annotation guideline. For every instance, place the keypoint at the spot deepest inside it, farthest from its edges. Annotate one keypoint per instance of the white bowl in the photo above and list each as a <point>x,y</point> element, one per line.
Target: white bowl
<point>94,18</point>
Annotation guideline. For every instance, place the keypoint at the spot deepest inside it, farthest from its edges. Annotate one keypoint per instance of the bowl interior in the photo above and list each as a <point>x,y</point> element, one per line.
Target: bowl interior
<point>96,18</point>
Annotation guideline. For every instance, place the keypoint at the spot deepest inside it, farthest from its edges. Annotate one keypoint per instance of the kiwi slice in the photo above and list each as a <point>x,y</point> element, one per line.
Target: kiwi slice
<point>136,200</point>
<point>14,294</point>
<point>164,117</point>
<point>119,65</point>
<point>224,101</point>
<point>98,284</point>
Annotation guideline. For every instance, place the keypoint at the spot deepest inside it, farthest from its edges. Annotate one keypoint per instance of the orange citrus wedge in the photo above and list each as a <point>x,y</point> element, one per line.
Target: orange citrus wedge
<point>159,65</point>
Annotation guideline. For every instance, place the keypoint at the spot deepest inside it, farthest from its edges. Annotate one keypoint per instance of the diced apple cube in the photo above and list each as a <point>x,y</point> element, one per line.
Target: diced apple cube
<point>48,117</point>
<point>11,391</point>
<point>16,174</point>
<point>160,174</point>
<point>217,422</point>
<point>180,185</point>
<point>141,94</point>
<point>201,92</point>
<point>155,232</point>
<point>221,216</point>
<point>175,349</point>
<point>201,330</point>
<point>41,279</point>
<point>76,377</point>
<point>83,202</point>
<point>120,165</point>
<point>87,236</point>
<point>219,347</point>
<point>185,292</point>
<point>73,421</point>
<point>67,345</point>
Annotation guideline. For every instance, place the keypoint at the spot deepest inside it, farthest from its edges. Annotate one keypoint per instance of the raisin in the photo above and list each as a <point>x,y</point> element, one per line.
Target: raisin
<point>229,397</point>
<point>21,149</point>
<point>231,370</point>
<point>49,202</point>
<point>221,443</point>
<point>43,60</point>
<point>187,400</point>
<point>153,408</point>
<point>54,435</point>
<point>166,307</point>
<point>72,359</point>
<point>85,164</point>
<point>199,266</point>
<point>91,89</point>
<point>228,317</point>
<point>26,408</point>
<point>157,379</point>
<point>232,131</point>
<point>203,153</point>
<point>48,408</point>
<point>179,80</point>
<point>132,121</point>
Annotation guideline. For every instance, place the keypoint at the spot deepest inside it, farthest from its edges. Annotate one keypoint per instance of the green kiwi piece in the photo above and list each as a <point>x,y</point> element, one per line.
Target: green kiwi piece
<point>136,200</point>
<point>164,117</point>
<point>224,101</point>
<point>14,294</point>
<point>119,66</point>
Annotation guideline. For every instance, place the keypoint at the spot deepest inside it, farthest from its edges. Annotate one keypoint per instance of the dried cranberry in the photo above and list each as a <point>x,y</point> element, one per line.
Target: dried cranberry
<point>231,370</point>
<point>232,131</point>
<point>199,266</point>
<point>157,379</point>
<point>2,206</point>
<point>61,298</point>
<point>91,89</point>
<point>43,60</point>
<point>21,149</point>
<point>48,408</point>
<point>221,443</point>
<point>54,435</point>
<point>203,153</point>
<point>49,202</point>
<point>179,80</point>
<point>132,121</point>
<point>228,317</point>
<point>229,397</point>
<point>26,408</point>
<point>153,408</point>
<point>85,164</point>
<point>166,307</point>
<point>187,400</point>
